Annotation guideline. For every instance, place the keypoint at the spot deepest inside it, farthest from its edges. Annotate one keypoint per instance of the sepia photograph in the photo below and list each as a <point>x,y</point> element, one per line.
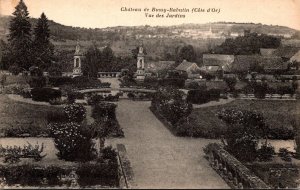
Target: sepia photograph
<point>160,94</point>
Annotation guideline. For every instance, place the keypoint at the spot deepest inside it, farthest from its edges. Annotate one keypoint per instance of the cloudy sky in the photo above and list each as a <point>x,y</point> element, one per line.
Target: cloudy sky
<point>105,13</point>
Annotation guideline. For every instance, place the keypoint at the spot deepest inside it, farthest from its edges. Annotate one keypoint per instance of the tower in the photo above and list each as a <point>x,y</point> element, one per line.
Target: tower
<point>77,61</point>
<point>140,73</point>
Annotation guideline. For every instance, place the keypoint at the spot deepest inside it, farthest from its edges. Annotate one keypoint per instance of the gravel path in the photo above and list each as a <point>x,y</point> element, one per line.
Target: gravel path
<point>159,159</point>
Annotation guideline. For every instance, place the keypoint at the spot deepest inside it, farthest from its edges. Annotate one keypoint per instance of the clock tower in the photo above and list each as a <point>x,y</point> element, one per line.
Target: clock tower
<point>78,55</point>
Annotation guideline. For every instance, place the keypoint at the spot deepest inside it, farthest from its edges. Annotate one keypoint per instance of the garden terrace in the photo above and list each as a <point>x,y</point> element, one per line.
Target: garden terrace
<point>22,118</point>
<point>209,126</point>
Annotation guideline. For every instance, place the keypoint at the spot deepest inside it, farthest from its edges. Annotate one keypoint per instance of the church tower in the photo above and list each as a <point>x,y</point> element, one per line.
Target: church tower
<point>78,55</point>
<point>140,73</point>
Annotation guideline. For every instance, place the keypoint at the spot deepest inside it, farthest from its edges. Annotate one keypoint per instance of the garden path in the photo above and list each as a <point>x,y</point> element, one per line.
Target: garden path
<point>158,158</point>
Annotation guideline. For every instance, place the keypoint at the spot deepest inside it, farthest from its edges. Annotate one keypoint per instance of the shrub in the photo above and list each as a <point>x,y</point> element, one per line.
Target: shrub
<point>15,89</point>
<point>58,81</point>
<point>13,154</point>
<point>73,95</point>
<point>203,96</point>
<point>231,82</point>
<point>174,82</point>
<point>130,95</point>
<point>109,153</point>
<point>171,105</point>
<point>94,99</point>
<point>283,133</point>
<point>72,141</point>
<point>56,117</point>
<point>20,131</point>
<point>37,82</point>
<point>45,94</point>
<point>75,112</point>
<point>266,152</point>
<point>193,85</point>
<point>26,93</point>
<point>105,174</point>
<point>285,154</point>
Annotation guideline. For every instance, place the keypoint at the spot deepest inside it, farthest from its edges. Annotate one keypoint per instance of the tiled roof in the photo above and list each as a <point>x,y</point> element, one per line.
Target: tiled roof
<point>159,65</point>
<point>243,62</point>
<point>184,65</point>
<point>223,61</point>
<point>286,52</point>
<point>273,63</point>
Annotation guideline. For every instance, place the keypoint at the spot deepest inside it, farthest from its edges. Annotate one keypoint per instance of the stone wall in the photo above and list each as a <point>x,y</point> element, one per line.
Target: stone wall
<point>231,170</point>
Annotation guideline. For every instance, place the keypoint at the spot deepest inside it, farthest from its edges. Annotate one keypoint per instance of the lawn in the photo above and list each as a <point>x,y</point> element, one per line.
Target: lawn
<point>277,114</point>
<point>22,116</point>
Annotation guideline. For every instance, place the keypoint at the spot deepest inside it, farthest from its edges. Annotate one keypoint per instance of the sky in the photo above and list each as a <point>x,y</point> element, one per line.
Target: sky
<point>107,13</point>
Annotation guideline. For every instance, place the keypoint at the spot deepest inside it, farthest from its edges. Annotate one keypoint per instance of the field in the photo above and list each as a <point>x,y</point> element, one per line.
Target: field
<point>277,114</point>
<point>23,117</point>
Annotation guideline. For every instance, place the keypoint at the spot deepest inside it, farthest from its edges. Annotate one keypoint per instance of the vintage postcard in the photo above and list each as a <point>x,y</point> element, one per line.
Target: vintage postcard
<point>161,94</point>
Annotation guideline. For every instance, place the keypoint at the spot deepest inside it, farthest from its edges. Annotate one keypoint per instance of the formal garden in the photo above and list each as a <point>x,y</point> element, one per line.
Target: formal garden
<point>62,146</point>
<point>247,129</point>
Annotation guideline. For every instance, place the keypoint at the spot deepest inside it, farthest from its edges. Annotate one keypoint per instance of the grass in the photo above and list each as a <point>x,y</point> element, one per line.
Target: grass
<point>277,114</point>
<point>23,117</point>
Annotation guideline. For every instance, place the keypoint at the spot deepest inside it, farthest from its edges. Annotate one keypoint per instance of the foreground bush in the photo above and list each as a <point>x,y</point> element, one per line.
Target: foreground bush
<point>171,105</point>
<point>45,94</point>
<point>73,142</point>
<point>75,112</point>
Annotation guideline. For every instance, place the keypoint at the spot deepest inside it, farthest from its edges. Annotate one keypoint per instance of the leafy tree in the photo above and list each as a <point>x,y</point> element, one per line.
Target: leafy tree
<point>187,53</point>
<point>231,82</point>
<point>248,44</point>
<point>20,37</point>
<point>92,60</point>
<point>107,59</point>
<point>4,55</point>
<point>43,48</point>
<point>244,129</point>
<point>55,69</point>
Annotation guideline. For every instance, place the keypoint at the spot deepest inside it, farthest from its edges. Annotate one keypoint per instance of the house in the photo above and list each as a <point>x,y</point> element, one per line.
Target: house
<point>216,63</point>
<point>286,52</point>
<point>250,63</point>
<point>189,67</point>
<point>156,66</point>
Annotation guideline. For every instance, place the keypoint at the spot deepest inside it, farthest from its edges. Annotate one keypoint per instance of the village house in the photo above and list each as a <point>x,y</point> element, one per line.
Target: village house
<point>192,69</point>
<point>217,64</point>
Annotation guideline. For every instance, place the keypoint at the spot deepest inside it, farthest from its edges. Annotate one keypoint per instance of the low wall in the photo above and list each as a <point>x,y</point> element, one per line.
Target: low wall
<point>126,178</point>
<point>232,171</point>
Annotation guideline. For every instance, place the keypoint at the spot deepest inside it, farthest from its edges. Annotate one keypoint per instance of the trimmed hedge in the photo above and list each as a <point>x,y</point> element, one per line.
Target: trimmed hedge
<point>45,94</point>
<point>203,96</point>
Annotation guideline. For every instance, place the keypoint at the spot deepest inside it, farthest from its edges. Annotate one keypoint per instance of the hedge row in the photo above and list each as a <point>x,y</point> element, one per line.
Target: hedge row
<point>45,94</point>
<point>203,96</point>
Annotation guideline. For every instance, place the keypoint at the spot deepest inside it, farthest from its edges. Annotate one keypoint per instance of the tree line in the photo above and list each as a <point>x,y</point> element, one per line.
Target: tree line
<point>27,48</point>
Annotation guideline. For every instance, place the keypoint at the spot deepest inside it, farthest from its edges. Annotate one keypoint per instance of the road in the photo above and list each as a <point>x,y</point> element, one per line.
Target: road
<point>158,158</point>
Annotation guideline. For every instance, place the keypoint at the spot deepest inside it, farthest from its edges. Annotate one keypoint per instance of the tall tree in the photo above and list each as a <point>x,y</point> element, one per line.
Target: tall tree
<point>187,53</point>
<point>43,48</point>
<point>108,58</point>
<point>92,60</point>
<point>20,37</point>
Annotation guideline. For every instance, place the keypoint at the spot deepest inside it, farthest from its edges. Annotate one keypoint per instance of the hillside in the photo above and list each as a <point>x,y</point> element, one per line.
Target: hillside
<point>157,39</point>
